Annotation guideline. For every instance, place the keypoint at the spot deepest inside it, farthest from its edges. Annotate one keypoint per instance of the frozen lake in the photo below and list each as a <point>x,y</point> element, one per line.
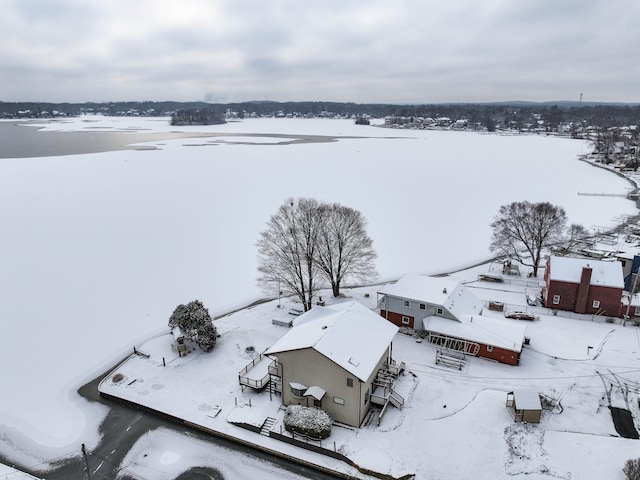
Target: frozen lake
<point>98,249</point>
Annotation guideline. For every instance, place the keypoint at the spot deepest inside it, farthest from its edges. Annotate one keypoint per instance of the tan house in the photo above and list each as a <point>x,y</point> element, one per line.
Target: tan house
<point>334,358</point>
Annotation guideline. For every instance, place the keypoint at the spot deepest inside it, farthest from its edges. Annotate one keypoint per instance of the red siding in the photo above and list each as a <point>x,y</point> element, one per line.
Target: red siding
<point>609,298</point>
<point>499,354</point>
<point>396,318</point>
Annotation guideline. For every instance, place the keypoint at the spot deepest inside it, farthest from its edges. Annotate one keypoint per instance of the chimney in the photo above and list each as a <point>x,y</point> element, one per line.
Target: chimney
<point>583,290</point>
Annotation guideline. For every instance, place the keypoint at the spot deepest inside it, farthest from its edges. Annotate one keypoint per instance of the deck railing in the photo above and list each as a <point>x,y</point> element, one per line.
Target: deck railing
<point>252,382</point>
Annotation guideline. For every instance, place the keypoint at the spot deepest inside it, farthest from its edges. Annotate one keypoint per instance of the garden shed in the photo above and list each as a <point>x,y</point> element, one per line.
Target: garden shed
<point>525,406</point>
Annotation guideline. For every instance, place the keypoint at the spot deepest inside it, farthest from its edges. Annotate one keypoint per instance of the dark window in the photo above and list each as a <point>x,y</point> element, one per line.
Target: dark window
<point>350,382</point>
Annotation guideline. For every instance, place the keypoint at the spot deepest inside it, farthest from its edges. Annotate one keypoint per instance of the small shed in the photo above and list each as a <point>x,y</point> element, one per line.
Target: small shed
<point>525,406</point>
<point>179,338</point>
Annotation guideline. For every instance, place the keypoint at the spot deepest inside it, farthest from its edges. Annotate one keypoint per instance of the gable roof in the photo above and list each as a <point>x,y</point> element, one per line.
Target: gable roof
<point>349,334</point>
<point>526,400</point>
<point>568,269</point>
<point>450,294</point>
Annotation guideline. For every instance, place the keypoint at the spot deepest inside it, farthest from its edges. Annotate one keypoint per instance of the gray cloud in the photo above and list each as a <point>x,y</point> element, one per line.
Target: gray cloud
<point>376,51</point>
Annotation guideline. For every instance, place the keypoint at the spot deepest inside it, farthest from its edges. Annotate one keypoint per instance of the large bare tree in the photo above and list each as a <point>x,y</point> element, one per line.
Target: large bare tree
<point>523,229</point>
<point>308,244</point>
<point>287,250</point>
<point>344,248</point>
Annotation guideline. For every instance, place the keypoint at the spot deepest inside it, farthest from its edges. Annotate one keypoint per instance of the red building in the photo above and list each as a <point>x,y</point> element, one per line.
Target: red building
<point>584,285</point>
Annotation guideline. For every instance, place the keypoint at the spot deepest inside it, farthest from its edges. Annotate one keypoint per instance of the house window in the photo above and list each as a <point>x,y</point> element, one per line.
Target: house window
<point>623,262</point>
<point>338,400</point>
<point>489,348</point>
<point>439,311</point>
<point>556,299</point>
<point>350,382</point>
<point>407,303</point>
<point>423,306</point>
<point>405,320</point>
<point>637,313</point>
<point>366,397</point>
<point>297,389</point>
<point>596,304</point>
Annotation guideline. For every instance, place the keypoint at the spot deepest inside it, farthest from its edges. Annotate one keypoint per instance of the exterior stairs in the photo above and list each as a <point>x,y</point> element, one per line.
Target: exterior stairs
<point>266,426</point>
<point>396,399</point>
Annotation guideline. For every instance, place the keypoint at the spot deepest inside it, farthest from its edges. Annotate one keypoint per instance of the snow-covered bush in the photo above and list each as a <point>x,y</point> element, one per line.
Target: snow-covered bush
<point>195,320</point>
<point>312,422</point>
<point>631,469</point>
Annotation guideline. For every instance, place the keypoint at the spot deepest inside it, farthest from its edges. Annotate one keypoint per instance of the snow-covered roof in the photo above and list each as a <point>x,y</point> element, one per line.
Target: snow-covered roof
<point>451,294</point>
<point>526,400</point>
<point>347,333</point>
<point>628,254</point>
<point>487,331</point>
<point>568,269</point>
<point>315,392</point>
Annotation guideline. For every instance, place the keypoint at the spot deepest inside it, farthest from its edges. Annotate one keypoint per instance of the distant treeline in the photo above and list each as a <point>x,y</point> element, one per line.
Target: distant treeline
<point>203,116</point>
<point>487,114</point>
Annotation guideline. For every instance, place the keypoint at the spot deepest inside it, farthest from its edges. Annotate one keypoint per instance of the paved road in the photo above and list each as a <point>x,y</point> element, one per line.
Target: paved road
<point>122,428</point>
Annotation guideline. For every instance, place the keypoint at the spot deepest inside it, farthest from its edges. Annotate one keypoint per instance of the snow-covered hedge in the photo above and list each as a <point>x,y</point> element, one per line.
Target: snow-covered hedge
<point>312,422</point>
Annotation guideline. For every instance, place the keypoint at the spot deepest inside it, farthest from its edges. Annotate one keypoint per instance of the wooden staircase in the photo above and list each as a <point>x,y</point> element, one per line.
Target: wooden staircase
<point>384,394</point>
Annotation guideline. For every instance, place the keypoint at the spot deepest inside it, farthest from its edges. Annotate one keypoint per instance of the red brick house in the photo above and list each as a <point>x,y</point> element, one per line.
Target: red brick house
<point>583,285</point>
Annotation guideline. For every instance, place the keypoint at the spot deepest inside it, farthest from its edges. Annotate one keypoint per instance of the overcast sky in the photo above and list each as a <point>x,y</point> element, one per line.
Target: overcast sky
<point>387,51</point>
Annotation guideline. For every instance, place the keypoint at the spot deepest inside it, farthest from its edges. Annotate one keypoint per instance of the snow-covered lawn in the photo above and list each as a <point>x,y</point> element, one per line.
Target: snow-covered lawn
<point>454,423</point>
<point>97,250</point>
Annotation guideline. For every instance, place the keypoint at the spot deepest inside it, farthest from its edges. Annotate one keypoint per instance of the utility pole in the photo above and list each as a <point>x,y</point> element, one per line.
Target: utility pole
<point>86,461</point>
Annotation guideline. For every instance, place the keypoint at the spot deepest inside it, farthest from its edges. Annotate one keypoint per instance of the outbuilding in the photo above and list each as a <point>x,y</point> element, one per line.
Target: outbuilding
<point>524,406</point>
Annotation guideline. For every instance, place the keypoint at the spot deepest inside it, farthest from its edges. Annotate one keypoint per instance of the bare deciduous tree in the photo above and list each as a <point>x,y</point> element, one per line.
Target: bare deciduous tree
<point>522,229</point>
<point>287,249</point>
<point>307,241</point>
<point>578,236</point>
<point>344,248</point>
